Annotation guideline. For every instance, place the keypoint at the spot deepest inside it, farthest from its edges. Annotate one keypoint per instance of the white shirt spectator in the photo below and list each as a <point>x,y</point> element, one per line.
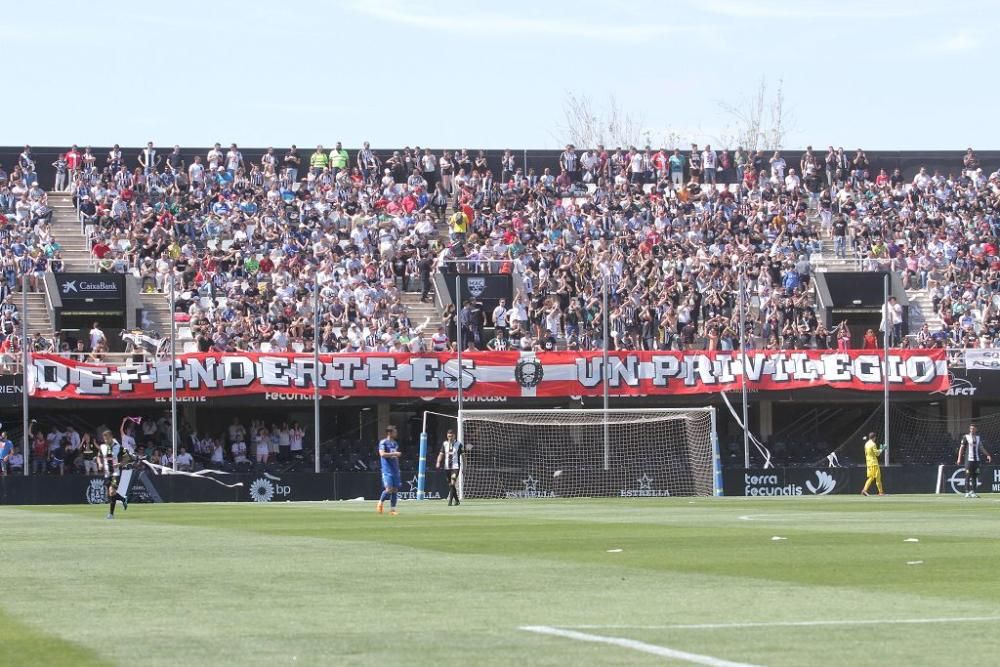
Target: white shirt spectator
<point>239,450</point>
<point>185,461</point>
<point>295,437</point>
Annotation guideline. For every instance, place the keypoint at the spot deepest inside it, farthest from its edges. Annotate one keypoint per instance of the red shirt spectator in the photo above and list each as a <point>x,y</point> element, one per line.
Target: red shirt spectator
<point>73,159</point>
<point>100,249</point>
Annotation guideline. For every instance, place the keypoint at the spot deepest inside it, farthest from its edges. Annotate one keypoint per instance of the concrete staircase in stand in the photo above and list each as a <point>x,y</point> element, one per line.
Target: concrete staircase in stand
<point>67,232</point>
<point>156,317</point>
<point>922,311</point>
<point>425,315</point>
<point>38,320</point>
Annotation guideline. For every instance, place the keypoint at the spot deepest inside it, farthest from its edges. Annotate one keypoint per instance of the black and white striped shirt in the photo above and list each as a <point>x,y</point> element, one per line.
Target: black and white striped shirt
<point>973,445</point>
<point>451,453</point>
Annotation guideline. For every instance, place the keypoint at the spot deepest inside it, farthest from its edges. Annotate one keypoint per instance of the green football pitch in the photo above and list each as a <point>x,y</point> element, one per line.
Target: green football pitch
<point>900,580</point>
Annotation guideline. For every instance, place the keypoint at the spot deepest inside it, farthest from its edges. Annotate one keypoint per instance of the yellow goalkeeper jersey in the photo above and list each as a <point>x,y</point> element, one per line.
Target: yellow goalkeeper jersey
<point>871,453</point>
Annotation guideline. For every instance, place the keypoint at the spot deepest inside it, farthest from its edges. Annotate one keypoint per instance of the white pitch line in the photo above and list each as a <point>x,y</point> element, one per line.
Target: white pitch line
<point>789,624</point>
<point>662,651</point>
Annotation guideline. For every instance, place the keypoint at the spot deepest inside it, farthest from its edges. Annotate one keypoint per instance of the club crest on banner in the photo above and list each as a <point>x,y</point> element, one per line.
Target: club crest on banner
<point>529,373</point>
<point>96,493</point>
<point>476,286</point>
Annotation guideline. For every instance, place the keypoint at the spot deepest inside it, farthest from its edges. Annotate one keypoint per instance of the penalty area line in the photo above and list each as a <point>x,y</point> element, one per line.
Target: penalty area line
<point>790,624</point>
<point>632,644</point>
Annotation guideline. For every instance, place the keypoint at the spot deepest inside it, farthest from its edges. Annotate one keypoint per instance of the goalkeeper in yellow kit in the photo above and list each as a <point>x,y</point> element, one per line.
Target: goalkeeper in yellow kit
<point>872,452</point>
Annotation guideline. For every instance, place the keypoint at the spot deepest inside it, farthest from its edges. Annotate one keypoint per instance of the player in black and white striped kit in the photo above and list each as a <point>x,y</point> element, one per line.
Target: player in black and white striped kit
<point>973,450</point>
<point>450,458</point>
<point>114,459</point>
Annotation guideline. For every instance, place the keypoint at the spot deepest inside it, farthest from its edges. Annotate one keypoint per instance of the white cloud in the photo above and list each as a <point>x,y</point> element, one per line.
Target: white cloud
<point>460,19</point>
<point>812,9</point>
<point>958,42</point>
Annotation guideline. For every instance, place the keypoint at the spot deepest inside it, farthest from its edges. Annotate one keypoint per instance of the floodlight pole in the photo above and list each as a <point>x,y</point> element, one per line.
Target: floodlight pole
<point>25,360</point>
<point>743,368</point>
<point>460,393</point>
<point>173,367</point>
<point>886,318</point>
<point>316,372</point>
<point>458,345</point>
<point>605,371</point>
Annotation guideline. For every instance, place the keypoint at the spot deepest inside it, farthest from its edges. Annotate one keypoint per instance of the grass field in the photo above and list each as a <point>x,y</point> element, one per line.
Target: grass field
<point>561,582</point>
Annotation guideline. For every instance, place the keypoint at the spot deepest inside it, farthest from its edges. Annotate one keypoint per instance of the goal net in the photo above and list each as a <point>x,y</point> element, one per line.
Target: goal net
<point>567,453</point>
<point>919,434</point>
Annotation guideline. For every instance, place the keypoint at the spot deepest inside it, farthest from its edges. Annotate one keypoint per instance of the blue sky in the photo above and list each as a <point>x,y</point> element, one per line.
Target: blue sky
<point>877,73</point>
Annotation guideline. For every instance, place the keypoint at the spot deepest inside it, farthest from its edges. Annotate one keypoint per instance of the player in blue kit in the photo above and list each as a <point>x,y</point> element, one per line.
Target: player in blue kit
<point>388,452</point>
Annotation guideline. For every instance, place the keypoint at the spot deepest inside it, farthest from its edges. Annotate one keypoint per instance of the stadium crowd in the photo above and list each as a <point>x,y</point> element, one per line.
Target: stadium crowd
<point>668,232</point>
<point>671,233</point>
<point>60,448</point>
<point>27,246</point>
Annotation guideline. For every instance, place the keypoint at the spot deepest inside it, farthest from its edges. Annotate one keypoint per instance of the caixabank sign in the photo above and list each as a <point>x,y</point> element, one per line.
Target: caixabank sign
<point>77,288</point>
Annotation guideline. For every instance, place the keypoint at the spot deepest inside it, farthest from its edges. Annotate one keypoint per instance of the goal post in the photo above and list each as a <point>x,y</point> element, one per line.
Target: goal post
<point>565,453</point>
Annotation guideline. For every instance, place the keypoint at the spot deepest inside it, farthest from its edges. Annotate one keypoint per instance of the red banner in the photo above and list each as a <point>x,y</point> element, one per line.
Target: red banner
<point>487,374</point>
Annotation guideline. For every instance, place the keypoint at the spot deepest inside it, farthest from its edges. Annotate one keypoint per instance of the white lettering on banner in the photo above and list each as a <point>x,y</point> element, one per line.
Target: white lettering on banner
<point>589,371</point>
<point>480,399</point>
<point>425,373</point>
<point>982,358</point>
<point>78,286</point>
<point>957,387</point>
<point>645,489</point>
<point>725,369</point>
<point>264,490</point>
<point>272,396</point>
<point>381,373</point>
<point>500,374</point>
<point>98,286</point>
<point>664,368</point>
<point>770,485</point>
<point>412,493</point>
<point>530,490</point>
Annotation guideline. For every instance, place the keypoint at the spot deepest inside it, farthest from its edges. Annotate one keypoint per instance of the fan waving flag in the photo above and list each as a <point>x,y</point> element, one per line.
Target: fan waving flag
<point>137,339</point>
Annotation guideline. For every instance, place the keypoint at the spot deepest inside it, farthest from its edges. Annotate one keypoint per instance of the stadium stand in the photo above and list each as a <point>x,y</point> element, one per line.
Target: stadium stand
<point>246,241</point>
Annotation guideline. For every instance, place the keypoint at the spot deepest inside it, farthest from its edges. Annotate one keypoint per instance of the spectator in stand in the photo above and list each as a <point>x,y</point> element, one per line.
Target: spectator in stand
<point>238,449</point>
<point>262,445</point>
<point>88,454</point>
<point>16,462</point>
<point>60,165</point>
<point>185,462</point>
<point>6,451</point>
<point>97,337</point>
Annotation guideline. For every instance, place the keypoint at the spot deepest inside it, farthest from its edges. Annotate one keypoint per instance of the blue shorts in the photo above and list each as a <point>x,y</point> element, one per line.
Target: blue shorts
<point>391,479</point>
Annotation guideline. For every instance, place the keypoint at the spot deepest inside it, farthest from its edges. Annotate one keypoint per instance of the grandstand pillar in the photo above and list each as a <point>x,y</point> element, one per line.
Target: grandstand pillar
<point>766,417</point>
<point>382,419</point>
<point>189,413</point>
<point>958,412</point>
